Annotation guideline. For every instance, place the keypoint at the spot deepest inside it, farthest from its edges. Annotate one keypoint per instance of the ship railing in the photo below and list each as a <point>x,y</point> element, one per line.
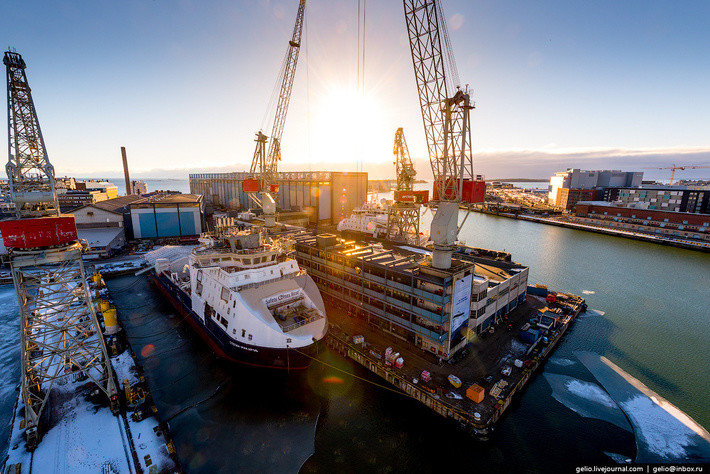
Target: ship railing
<point>313,315</point>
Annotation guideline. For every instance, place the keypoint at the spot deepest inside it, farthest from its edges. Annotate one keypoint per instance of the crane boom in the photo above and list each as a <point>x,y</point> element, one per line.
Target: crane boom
<point>29,172</point>
<point>445,115</point>
<point>264,165</point>
<point>444,112</point>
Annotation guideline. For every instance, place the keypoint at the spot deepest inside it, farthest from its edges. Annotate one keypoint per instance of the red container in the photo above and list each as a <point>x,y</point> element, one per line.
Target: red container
<point>274,188</point>
<point>473,191</point>
<point>251,185</point>
<point>38,232</point>
<point>419,197</point>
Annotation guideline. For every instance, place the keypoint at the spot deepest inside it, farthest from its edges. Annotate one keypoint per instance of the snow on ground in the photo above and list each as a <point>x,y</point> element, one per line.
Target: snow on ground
<point>124,367</point>
<point>517,347</point>
<point>85,438</point>
<point>663,432</point>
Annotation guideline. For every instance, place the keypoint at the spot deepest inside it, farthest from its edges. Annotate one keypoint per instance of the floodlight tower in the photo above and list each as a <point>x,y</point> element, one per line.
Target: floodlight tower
<point>60,332</point>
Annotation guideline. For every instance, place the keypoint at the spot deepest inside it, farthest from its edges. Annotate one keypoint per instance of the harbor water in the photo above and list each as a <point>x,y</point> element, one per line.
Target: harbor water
<point>648,317</point>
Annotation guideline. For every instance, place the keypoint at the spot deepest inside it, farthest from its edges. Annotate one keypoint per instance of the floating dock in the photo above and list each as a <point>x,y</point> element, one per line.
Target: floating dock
<point>402,320</point>
<point>82,435</point>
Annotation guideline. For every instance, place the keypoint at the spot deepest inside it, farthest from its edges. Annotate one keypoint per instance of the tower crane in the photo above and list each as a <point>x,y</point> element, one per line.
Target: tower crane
<point>60,334</point>
<point>262,185</point>
<point>403,214</point>
<point>445,112</point>
<point>675,168</point>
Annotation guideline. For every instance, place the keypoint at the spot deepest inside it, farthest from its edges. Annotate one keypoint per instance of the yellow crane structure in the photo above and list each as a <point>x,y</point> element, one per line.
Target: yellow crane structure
<point>675,168</point>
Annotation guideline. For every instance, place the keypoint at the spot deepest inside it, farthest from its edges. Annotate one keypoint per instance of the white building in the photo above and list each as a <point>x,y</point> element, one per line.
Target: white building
<point>575,178</point>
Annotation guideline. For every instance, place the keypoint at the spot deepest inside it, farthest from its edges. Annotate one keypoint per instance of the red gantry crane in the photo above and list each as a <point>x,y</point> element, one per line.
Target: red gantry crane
<point>445,112</point>
<point>60,333</point>
<point>262,185</point>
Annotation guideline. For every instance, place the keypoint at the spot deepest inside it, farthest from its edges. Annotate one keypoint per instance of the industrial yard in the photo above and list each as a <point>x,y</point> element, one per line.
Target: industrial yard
<point>278,314</point>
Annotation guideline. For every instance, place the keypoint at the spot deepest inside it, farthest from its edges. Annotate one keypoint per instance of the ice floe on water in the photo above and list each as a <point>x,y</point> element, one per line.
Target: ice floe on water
<point>588,292</point>
<point>561,361</point>
<point>659,430</point>
<point>663,432</point>
<point>618,458</point>
<point>590,391</point>
<point>587,399</point>
<point>594,312</point>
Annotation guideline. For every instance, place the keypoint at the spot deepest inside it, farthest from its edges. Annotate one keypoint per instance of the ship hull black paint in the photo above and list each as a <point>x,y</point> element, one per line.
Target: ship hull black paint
<point>226,347</point>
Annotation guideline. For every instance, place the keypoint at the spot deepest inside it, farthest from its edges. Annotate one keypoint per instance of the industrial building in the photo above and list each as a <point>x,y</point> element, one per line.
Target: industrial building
<point>396,289</point>
<point>166,215</point>
<point>327,196</point>
<point>658,222</point>
<point>585,182</point>
<point>663,198</point>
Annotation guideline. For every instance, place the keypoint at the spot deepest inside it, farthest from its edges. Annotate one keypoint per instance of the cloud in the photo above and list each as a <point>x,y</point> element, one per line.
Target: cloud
<point>516,163</point>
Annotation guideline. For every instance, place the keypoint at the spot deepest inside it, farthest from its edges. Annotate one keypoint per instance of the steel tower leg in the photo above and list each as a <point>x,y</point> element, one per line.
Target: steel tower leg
<point>60,333</point>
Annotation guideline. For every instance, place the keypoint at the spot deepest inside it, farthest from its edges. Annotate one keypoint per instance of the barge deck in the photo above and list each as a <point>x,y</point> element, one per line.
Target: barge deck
<point>482,365</point>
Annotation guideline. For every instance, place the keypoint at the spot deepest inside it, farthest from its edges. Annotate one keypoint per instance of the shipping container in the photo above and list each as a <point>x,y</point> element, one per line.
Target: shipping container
<point>38,232</point>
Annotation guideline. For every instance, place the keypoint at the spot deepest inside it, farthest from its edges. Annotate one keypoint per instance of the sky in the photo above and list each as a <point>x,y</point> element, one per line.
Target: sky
<point>184,85</point>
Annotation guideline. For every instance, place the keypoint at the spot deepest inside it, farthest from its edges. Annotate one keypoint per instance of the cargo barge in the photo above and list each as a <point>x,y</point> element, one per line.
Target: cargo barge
<point>463,342</point>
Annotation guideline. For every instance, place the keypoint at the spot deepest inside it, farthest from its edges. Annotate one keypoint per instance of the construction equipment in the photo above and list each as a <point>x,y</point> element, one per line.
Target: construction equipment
<point>60,332</point>
<point>403,214</point>
<point>675,168</point>
<point>445,112</point>
<point>262,185</point>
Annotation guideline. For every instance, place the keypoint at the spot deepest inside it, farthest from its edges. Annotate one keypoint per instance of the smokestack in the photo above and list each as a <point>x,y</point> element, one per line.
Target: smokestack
<point>125,171</point>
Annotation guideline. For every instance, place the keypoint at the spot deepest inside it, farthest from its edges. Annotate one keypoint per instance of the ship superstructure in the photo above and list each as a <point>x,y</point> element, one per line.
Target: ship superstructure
<point>246,295</point>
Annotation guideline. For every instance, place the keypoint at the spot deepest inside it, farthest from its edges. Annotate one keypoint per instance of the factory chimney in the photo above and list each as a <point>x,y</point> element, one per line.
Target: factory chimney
<point>125,171</point>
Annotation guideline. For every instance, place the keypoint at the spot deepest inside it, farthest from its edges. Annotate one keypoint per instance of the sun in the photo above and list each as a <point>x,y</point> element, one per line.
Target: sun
<point>350,127</point>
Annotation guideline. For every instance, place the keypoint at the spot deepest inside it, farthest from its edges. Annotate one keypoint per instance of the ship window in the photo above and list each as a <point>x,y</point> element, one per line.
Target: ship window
<point>246,261</point>
<point>234,331</point>
<point>250,337</point>
<point>198,288</point>
<point>225,294</point>
<point>199,275</point>
<point>288,339</point>
<point>244,332</point>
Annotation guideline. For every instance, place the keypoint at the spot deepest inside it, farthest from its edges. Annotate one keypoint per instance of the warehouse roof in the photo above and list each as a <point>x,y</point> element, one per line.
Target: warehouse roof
<point>114,205</point>
<point>99,238</point>
<point>169,199</point>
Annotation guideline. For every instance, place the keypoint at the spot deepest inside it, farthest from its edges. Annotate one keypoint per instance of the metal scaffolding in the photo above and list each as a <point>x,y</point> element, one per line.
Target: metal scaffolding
<point>60,333</point>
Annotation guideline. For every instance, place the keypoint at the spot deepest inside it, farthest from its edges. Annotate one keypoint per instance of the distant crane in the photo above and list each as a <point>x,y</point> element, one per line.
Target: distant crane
<point>262,185</point>
<point>675,168</point>
<point>403,214</point>
<point>445,112</point>
<point>60,333</point>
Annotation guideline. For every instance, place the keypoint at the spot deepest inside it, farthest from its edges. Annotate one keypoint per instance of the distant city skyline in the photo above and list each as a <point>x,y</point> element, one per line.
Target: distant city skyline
<point>184,85</point>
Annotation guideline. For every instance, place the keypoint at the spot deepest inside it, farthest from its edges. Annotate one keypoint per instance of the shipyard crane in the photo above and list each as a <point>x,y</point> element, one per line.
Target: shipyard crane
<point>675,168</point>
<point>445,112</point>
<point>60,333</point>
<point>262,185</point>
<point>403,214</point>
